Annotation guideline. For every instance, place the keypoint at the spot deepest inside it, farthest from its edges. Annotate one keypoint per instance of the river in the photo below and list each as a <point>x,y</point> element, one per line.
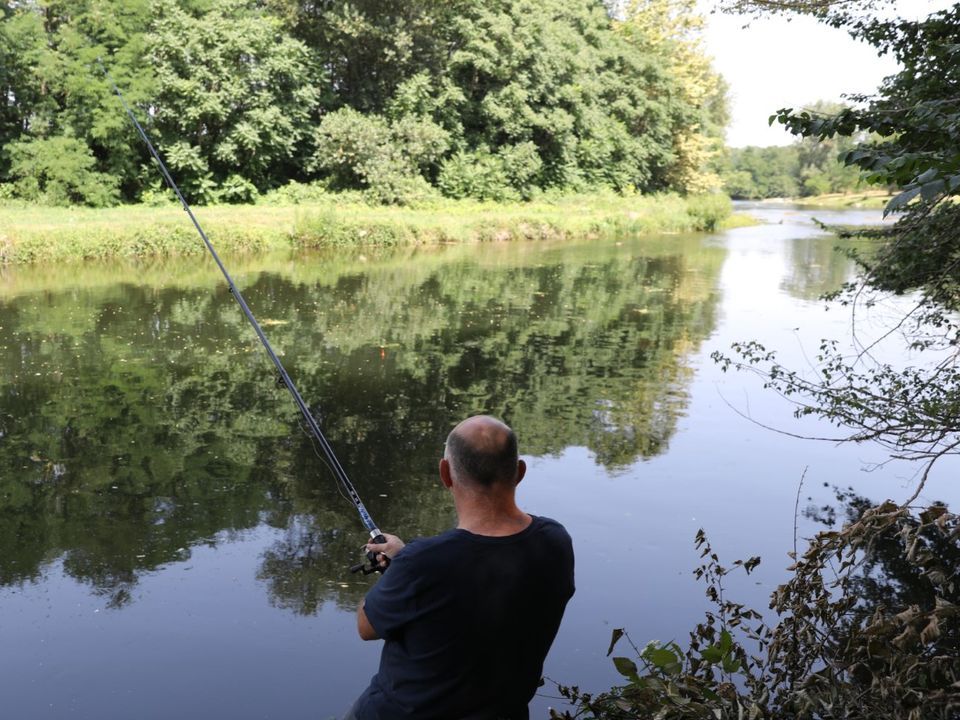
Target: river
<point>172,546</point>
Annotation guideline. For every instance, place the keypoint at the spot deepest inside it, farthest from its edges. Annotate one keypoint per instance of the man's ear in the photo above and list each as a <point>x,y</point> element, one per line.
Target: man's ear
<point>521,470</point>
<point>445,477</point>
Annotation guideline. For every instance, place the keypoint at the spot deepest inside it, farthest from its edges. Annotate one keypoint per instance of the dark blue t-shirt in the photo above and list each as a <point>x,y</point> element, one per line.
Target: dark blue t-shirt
<point>467,621</point>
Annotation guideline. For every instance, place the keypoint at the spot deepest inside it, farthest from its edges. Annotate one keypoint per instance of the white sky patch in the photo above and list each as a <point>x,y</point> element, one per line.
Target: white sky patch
<point>774,63</point>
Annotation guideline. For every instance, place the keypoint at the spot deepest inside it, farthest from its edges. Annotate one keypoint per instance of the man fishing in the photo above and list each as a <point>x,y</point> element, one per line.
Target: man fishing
<point>467,616</point>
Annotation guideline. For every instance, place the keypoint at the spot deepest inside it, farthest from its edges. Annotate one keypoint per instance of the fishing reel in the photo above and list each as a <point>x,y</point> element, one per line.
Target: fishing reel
<point>372,565</point>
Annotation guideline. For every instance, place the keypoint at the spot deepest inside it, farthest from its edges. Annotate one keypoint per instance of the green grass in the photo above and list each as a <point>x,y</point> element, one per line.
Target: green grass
<point>737,220</point>
<point>868,199</point>
<point>33,234</point>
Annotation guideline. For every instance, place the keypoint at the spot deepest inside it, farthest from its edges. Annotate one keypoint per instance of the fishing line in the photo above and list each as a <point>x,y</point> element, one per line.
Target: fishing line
<point>315,433</point>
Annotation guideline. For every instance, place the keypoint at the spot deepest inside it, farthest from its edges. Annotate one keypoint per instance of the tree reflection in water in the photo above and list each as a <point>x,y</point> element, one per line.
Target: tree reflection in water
<point>140,419</point>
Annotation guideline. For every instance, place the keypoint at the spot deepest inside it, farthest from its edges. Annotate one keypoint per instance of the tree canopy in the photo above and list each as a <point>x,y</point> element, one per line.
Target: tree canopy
<point>810,166</point>
<point>489,99</point>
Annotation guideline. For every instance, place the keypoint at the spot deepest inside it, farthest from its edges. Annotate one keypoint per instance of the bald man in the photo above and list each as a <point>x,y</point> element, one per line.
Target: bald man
<point>467,616</point>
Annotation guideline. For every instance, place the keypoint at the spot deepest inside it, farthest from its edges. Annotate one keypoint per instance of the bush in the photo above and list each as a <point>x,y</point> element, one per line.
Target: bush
<point>295,193</point>
<point>236,189</point>
<point>60,171</point>
<point>513,173</point>
<point>385,160</point>
<point>477,175</point>
<point>708,211</point>
<point>869,626</point>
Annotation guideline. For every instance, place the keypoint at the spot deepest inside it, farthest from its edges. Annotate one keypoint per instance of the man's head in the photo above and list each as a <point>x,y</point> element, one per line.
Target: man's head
<point>482,452</point>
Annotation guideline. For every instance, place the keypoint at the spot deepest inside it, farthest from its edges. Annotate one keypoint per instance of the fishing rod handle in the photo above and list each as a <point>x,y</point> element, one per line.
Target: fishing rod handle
<point>372,565</point>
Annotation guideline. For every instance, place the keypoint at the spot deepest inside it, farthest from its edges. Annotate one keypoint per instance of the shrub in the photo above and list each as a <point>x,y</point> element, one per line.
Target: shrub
<point>477,175</point>
<point>869,626</point>
<point>60,171</point>
<point>385,160</point>
<point>295,193</point>
<point>236,189</point>
<point>708,211</point>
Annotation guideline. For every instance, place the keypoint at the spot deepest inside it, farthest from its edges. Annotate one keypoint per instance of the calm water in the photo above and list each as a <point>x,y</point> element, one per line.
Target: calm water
<point>171,546</point>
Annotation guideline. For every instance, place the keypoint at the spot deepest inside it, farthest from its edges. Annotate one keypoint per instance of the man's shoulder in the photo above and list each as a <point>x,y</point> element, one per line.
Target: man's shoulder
<point>423,548</point>
<point>550,526</point>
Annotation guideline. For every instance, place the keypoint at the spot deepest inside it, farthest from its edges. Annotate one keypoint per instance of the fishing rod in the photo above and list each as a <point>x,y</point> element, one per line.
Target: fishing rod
<point>313,426</point>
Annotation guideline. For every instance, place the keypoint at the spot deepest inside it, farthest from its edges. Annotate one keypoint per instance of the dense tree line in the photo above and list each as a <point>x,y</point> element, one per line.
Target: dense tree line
<point>489,99</point>
<point>809,166</point>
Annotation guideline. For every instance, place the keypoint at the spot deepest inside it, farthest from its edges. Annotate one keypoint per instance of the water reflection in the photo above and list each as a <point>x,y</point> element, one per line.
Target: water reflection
<point>817,267</point>
<point>140,419</point>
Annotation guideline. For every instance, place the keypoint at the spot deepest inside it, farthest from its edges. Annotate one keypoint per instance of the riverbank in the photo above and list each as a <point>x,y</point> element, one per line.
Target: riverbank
<point>866,200</point>
<point>30,233</point>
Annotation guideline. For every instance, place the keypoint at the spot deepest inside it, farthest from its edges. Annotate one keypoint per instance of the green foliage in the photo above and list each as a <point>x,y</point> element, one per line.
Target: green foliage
<point>867,627</point>
<point>59,171</point>
<point>709,211</point>
<point>669,31</point>
<point>808,167</point>
<point>244,96</point>
<point>763,172</point>
<point>385,159</point>
<point>510,174</point>
<point>52,89</point>
<point>372,48</point>
<point>234,98</point>
<point>295,193</point>
<point>477,175</point>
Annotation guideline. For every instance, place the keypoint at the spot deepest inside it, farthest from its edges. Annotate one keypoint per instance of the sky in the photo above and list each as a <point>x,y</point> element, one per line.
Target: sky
<point>769,65</point>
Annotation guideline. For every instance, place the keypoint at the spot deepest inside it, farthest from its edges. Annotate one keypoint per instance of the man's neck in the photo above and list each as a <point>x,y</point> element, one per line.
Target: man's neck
<point>492,519</point>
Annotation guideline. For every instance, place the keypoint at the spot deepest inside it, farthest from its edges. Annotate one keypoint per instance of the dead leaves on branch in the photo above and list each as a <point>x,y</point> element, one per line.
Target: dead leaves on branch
<point>867,626</point>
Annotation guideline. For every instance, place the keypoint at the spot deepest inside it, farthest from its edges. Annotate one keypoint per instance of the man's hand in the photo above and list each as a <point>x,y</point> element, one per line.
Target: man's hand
<point>386,551</point>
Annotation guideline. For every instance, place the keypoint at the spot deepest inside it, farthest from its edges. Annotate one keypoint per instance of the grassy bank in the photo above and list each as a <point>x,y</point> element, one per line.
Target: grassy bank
<point>44,234</point>
<point>868,199</point>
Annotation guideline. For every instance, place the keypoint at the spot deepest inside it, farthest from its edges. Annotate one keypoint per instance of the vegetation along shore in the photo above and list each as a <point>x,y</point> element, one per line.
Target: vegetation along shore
<point>31,233</point>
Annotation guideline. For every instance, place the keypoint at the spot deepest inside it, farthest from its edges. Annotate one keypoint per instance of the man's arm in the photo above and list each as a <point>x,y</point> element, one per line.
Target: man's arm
<point>363,625</point>
<point>385,551</point>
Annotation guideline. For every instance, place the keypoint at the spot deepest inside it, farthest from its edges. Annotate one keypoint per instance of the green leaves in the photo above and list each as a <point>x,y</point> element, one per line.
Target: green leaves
<point>627,668</point>
<point>59,171</point>
<point>486,99</point>
<point>666,658</point>
<point>235,90</point>
<point>722,653</point>
<point>384,158</point>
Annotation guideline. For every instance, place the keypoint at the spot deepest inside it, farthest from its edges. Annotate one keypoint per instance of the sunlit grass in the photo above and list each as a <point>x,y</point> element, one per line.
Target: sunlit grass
<point>867,200</point>
<point>48,234</point>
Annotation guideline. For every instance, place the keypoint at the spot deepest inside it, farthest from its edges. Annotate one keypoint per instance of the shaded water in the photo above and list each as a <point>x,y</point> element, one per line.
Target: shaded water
<point>172,545</point>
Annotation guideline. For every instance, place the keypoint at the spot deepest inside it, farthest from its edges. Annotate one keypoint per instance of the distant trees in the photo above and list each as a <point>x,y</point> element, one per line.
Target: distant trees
<point>489,99</point>
<point>810,166</point>
<point>762,172</point>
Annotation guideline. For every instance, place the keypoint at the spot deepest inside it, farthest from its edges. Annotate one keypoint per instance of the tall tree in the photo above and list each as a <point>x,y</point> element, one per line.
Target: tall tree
<point>369,48</point>
<point>670,30</point>
<point>64,113</point>
<point>234,98</point>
